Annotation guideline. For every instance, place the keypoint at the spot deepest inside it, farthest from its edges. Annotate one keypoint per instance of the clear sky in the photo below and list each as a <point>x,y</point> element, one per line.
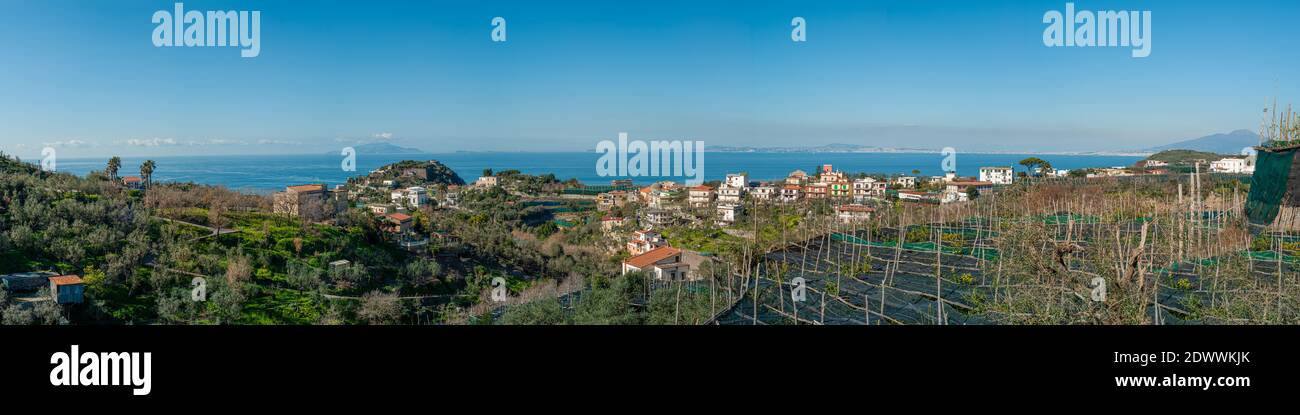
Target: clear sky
<point>84,76</point>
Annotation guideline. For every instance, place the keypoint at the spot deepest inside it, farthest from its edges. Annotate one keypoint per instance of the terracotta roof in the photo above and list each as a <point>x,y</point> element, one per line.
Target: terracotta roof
<point>970,183</point>
<point>702,188</point>
<point>131,179</point>
<point>400,217</point>
<point>66,280</point>
<point>655,255</point>
<point>792,187</point>
<point>303,188</point>
<point>611,218</point>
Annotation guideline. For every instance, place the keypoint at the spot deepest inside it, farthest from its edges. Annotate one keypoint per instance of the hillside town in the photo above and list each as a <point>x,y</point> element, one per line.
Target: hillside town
<point>665,230</point>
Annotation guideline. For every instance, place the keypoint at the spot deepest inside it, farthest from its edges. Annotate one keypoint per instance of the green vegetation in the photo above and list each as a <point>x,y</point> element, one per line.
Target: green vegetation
<point>1183,157</point>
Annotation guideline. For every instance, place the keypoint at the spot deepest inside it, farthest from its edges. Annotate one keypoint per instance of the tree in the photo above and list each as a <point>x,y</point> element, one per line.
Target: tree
<point>972,192</point>
<point>146,172</point>
<point>114,164</point>
<point>1032,163</point>
<point>487,172</point>
<point>915,171</point>
<point>378,308</point>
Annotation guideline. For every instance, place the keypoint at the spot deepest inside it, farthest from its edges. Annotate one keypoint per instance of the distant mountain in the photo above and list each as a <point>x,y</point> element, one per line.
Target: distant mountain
<point>1230,143</point>
<point>384,148</point>
<point>828,148</point>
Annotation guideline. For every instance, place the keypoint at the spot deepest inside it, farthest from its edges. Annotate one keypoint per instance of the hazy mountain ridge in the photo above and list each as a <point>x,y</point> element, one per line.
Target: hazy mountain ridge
<point>384,148</point>
<point>1222,143</point>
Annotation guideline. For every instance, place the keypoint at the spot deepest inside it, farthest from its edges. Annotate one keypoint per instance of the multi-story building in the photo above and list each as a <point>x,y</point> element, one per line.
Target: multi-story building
<point>791,193</point>
<point>764,192</point>
<point>841,189</point>
<point>998,175</point>
<point>609,200</point>
<point>643,241</point>
<point>816,190</point>
<point>729,194</point>
<point>959,190</point>
<point>700,196</point>
<point>797,177</point>
<point>659,217</point>
<point>868,187</point>
<point>906,182</point>
<point>1234,165</point>
<point>829,175</point>
<point>295,200</point>
<point>739,180</point>
<point>728,212</point>
<point>412,197</point>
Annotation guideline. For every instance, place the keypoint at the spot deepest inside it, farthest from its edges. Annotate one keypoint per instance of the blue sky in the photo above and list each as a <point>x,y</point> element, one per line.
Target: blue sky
<point>84,77</point>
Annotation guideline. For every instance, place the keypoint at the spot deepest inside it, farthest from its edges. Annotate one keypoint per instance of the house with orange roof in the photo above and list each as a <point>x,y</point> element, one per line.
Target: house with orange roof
<point>662,263</point>
<point>67,289</point>
<point>397,223</point>
<point>133,182</point>
<point>700,196</point>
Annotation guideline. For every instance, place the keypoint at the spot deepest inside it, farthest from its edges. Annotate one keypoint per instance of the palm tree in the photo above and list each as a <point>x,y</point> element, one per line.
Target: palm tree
<point>146,172</point>
<point>114,164</point>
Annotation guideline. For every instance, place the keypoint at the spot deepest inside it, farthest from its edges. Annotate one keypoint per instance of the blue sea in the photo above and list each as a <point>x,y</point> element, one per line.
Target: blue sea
<point>268,173</point>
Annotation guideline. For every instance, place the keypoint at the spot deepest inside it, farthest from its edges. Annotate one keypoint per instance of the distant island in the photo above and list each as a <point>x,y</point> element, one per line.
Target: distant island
<point>384,148</point>
<point>828,148</point>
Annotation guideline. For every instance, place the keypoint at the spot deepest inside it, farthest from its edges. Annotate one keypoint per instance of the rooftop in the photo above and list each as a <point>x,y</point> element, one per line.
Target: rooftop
<point>65,280</point>
<point>655,255</point>
<point>304,188</point>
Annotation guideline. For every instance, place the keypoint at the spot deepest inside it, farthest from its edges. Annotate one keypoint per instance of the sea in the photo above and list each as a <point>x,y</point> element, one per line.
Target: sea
<point>270,173</point>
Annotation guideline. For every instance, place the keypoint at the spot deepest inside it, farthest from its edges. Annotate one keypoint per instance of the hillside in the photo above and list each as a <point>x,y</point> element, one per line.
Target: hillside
<point>1229,143</point>
<point>437,173</point>
<point>1183,156</point>
<point>10,165</point>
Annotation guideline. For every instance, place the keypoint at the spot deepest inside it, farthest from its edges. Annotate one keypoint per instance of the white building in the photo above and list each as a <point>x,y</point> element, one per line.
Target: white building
<point>868,188</point>
<point>791,193</point>
<point>729,194</point>
<point>853,213</point>
<point>664,263</point>
<point>764,192</point>
<point>999,175</point>
<point>905,182</point>
<point>413,197</point>
<point>486,181</point>
<point>1234,165</point>
<point>727,213</point>
<point>700,196</point>
<point>643,241</point>
<point>738,180</point>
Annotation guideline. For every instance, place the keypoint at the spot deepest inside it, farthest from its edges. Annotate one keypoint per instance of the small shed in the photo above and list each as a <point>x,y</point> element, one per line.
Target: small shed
<point>67,289</point>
